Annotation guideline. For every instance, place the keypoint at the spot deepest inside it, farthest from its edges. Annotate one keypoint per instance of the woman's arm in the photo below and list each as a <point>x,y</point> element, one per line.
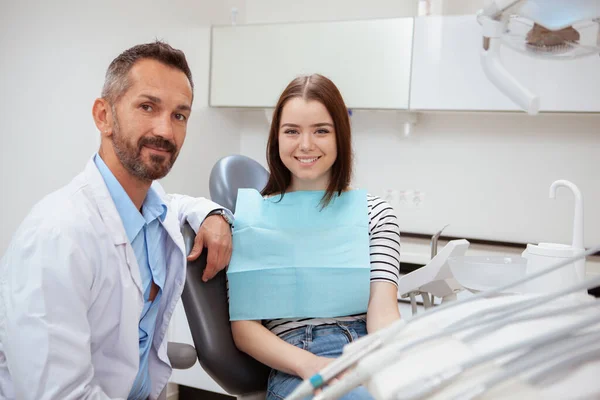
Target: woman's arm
<point>385,265</point>
<point>253,338</point>
<point>383,306</point>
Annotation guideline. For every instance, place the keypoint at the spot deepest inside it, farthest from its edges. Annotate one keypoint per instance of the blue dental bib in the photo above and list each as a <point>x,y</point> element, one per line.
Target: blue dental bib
<point>293,259</point>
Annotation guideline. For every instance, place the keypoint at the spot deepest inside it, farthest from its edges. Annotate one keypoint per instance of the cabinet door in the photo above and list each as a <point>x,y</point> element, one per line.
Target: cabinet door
<point>368,60</point>
<point>447,73</point>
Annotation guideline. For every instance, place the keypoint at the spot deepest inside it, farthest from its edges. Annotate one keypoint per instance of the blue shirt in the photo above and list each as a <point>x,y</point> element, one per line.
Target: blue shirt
<point>148,239</point>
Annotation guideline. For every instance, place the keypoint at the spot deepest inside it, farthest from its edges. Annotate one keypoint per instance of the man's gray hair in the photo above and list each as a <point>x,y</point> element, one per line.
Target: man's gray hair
<point>117,82</point>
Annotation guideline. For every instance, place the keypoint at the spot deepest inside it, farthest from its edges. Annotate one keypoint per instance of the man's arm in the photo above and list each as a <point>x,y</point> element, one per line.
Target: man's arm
<point>194,210</point>
<point>212,231</point>
<point>47,293</point>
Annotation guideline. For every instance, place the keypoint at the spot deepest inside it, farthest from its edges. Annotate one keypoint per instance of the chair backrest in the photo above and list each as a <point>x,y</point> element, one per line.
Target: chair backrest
<point>232,173</point>
<point>205,303</point>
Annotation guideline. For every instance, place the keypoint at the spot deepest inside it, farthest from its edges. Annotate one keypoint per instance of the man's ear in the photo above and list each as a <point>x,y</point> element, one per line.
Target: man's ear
<point>102,113</point>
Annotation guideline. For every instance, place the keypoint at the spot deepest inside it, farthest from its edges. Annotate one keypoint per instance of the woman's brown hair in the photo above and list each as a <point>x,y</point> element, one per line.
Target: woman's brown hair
<point>318,88</point>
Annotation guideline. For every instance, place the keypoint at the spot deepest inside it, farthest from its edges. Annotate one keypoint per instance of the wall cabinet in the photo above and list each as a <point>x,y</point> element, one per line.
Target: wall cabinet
<point>368,60</point>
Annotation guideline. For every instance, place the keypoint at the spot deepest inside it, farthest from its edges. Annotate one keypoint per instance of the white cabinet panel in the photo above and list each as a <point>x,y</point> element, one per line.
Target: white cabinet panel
<point>368,60</point>
<point>447,74</point>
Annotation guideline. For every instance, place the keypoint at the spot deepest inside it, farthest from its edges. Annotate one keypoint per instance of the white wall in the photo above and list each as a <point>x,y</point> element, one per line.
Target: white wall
<point>54,56</point>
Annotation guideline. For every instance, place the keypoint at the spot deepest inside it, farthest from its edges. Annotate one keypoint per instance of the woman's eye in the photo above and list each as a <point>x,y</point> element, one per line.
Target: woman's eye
<point>291,132</point>
<point>146,107</point>
<point>322,131</point>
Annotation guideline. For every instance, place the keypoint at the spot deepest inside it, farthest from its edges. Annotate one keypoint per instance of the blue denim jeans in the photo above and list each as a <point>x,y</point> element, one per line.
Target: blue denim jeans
<point>324,341</point>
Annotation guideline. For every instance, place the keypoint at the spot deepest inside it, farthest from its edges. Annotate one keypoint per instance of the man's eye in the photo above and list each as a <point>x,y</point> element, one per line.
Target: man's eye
<point>146,107</point>
<point>180,117</point>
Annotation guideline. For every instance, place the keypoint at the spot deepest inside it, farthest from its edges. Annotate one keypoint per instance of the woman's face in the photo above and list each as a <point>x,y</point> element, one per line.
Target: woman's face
<point>307,144</point>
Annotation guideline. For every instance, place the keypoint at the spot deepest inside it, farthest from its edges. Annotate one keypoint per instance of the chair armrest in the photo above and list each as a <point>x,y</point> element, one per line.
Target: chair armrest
<point>181,355</point>
<point>207,311</point>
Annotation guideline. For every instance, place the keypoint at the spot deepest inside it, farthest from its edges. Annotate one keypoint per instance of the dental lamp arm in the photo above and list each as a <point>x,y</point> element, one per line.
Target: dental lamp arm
<point>496,7</point>
<point>497,74</point>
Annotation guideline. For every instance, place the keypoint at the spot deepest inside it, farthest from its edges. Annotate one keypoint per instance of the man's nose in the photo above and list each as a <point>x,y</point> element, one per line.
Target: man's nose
<point>164,127</point>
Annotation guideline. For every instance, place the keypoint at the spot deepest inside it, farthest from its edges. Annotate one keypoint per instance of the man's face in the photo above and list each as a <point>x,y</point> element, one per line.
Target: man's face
<point>150,119</point>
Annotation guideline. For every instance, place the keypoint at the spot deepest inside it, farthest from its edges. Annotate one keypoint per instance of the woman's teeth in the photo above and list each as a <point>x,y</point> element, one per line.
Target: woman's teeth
<point>308,160</point>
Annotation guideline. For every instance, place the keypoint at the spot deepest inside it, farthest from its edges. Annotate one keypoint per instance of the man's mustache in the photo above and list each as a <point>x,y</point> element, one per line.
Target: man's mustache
<point>158,142</point>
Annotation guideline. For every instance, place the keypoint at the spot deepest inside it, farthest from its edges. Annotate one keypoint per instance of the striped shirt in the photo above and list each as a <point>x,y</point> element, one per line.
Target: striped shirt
<point>384,238</point>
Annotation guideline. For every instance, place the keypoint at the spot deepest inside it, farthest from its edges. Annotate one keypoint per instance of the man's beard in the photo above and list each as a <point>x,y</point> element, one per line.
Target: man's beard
<point>130,155</point>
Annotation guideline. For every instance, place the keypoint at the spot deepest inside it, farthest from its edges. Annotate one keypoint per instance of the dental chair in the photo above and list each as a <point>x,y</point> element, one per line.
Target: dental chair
<point>205,303</point>
<point>181,356</point>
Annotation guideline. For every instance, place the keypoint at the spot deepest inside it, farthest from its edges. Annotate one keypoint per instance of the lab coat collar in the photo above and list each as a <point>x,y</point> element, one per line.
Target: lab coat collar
<point>105,203</point>
<point>170,222</point>
<point>110,215</point>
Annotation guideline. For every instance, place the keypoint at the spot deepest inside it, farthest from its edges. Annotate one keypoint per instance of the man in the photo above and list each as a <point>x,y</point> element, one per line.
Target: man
<point>92,276</point>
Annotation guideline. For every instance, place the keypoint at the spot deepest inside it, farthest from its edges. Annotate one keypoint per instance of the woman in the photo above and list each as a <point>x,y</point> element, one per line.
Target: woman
<point>309,152</point>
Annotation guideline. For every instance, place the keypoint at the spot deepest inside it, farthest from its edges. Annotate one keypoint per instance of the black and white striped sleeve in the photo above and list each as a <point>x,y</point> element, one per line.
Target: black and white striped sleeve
<point>384,246</point>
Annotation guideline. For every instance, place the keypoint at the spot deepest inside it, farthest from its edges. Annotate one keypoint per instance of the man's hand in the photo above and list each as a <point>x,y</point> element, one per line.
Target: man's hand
<point>215,235</point>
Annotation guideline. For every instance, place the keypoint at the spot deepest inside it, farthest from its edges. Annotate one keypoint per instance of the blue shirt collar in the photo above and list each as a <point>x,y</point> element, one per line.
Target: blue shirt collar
<point>133,221</point>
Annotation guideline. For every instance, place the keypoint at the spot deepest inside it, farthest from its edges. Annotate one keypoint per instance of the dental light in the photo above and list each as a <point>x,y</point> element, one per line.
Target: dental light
<point>550,29</point>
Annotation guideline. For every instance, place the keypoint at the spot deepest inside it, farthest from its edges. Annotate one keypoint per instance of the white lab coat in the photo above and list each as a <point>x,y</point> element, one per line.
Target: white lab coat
<point>71,297</point>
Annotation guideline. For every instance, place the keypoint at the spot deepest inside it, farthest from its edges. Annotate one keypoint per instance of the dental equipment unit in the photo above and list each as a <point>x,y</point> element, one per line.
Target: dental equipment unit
<point>363,358</point>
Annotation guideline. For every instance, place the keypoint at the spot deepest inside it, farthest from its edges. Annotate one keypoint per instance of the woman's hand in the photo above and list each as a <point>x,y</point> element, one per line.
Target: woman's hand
<point>312,365</point>
<point>316,364</point>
